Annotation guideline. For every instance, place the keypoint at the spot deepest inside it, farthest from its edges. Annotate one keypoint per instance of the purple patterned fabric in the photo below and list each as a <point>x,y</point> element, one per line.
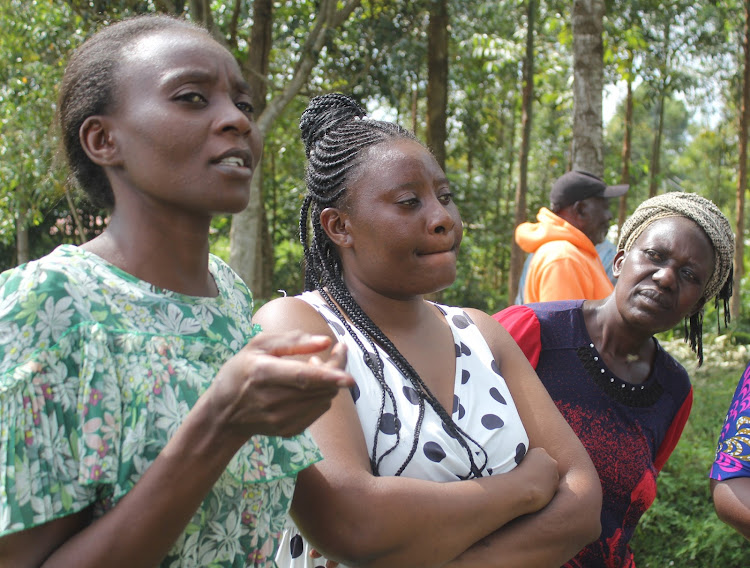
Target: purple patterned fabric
<point>733,449</point>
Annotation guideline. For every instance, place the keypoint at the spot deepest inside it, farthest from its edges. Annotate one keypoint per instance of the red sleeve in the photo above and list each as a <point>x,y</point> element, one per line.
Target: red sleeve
<point>523,326</point>
<point>674,432</point>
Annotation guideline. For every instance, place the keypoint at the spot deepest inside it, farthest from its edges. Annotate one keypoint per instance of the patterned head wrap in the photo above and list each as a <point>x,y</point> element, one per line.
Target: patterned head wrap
<point>716,226</point>
<point>698,209</point>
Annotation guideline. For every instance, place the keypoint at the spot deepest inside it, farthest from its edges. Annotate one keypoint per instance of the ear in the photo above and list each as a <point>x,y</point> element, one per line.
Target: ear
<point>98,142</point>
<point>617,263</point>
<point>580,207</point>
<point>335,223</point>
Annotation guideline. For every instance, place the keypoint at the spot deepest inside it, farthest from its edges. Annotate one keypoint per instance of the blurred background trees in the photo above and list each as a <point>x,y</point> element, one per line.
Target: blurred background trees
<point>503,92</point>
<point>490,86</point>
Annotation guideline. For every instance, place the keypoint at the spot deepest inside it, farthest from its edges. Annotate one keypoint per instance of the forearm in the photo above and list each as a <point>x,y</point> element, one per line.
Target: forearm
<point>548,538</point>
<point>732,503</point>
<point>397,521</point>
<point>147,521</point>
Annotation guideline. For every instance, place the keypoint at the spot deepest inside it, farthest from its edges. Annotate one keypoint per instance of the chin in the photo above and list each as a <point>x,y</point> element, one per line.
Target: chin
<point>232,206</point>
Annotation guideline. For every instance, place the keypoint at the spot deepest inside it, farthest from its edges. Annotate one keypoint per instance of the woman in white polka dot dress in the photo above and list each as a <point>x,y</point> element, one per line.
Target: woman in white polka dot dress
<point>448,435</point>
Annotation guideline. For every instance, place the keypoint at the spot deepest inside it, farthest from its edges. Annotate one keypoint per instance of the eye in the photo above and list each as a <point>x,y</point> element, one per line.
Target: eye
<point>192,98</point>
<point>445,198</point>
<point>690,276</point>
<point>410,202</point>
<point>245,107</point>
<point>653,255</point>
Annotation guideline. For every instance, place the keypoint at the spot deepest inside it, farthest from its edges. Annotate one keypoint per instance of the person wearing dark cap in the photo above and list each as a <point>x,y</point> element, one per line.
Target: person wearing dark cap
<point>565,263</point>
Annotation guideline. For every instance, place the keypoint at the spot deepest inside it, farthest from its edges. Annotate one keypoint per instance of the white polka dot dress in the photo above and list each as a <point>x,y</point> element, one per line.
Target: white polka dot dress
<point>482,407</point>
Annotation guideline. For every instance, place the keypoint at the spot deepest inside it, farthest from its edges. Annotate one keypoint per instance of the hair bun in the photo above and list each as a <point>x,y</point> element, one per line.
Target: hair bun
<point>323,114</point>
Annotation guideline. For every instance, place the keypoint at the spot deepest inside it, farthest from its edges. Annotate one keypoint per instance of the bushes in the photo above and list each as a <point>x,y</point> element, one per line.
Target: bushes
<point>681,528</point>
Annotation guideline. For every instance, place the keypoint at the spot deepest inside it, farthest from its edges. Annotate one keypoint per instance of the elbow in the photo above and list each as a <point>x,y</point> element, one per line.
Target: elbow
<point>587,527</point>
<point>355,544</point>
<point>591,530</point>
<point>593,512</point>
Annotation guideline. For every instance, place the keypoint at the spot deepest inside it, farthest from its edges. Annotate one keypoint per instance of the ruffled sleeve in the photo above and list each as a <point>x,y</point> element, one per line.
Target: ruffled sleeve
<point>59,406</point>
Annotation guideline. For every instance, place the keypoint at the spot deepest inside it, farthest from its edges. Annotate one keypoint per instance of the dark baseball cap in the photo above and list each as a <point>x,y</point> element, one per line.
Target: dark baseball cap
<point>577,185</point>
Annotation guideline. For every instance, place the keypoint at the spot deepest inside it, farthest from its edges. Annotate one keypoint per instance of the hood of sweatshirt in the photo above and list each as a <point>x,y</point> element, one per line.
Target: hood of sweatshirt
<point>530,236</point>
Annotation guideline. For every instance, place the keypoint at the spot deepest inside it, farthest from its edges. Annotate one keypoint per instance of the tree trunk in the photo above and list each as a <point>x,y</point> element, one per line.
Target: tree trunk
<point>437,79</point>
<point>626,149</point>
<point>250,247</point>
<point>200,11</point>
<point>739,250</point>
<point>22,228</point>
<point>588,79</point>
<point>655,165</point>
<point>527,96</point>
<point>414,112</point>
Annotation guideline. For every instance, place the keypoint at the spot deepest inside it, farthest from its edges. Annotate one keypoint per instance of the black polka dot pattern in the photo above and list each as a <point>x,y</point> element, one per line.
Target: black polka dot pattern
<point>461,322</point>
<point>457,408</point>
<point>434,452</point>
<point>482,408</point>
<point>411,395</point>
<point>354,392</point>
<point>492,422</point>
<point>494,393</point>
<point>296,546</point>
<point>520,453</point>
<point>337,328</point>
<point>389,424</point>
<point>448,430</point>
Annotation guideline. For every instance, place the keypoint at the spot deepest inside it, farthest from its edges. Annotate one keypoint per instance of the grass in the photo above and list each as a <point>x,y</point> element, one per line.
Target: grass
<point>681,528</point>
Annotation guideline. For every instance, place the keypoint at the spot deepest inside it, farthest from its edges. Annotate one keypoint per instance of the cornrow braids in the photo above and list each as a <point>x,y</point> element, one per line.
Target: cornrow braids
<point>715,225</point>
<point>336,133</point>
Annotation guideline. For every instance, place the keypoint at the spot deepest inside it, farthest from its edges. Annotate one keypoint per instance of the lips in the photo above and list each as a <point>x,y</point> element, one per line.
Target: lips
<point>442,250</point>
<point>656,297</point>
<point>235,157</point>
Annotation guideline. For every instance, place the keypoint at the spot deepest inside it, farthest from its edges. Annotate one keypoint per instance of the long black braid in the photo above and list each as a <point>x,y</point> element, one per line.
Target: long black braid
<point>336,132</point>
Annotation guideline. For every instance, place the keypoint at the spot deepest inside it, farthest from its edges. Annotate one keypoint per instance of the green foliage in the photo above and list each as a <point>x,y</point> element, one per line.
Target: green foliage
<point>681,528</point>
<point>34,40</point>
<point>379,57</point>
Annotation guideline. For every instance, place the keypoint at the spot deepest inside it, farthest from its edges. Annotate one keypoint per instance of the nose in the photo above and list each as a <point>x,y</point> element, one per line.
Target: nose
<point>232,118</point>
<point>440,219</point>
<point>665,277</point>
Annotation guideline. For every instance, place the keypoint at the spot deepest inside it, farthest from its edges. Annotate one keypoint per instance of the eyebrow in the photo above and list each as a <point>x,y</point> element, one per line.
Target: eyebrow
<point>190,75</point>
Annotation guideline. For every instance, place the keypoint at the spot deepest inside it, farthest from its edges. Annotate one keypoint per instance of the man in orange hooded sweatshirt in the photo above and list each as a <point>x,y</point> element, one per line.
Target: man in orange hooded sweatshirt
<point>566,265</point>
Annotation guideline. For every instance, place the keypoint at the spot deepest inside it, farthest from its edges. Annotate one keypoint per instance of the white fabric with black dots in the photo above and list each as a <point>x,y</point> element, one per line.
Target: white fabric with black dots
<point>482,407</point>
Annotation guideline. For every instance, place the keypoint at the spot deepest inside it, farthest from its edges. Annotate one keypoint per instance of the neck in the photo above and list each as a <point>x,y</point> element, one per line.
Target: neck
<point>391,315</point>
<point>612,336</point>
<point>171,256</point>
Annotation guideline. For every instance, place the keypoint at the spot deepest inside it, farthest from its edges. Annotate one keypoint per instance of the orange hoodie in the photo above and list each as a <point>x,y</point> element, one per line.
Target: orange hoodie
<point>565,265</point>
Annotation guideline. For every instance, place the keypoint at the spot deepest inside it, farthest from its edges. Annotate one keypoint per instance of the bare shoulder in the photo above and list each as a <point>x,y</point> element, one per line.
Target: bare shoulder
<point>290,313</point>
<point>490,328</point>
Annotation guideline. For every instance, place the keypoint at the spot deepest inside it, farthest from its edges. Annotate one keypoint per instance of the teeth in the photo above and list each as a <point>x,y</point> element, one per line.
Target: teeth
<point>233,161</point>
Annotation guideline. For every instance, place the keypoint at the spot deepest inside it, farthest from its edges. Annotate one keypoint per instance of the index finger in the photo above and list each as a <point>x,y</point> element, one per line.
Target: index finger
<point>289,343</point>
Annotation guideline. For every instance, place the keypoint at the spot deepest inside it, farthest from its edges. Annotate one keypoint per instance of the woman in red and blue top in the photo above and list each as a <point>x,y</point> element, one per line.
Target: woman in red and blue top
<point>625,397</point>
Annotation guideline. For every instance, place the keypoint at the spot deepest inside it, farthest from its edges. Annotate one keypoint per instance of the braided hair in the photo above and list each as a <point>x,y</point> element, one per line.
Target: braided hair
<point>337,133</point>
<point>715,225</point>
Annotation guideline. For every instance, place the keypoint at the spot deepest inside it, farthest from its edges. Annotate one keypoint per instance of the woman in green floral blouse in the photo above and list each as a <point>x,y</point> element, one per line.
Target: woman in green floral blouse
<point>141,422</point>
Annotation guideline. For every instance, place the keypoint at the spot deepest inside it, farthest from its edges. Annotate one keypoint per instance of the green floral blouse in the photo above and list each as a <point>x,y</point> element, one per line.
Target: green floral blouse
<point>97,371</point>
